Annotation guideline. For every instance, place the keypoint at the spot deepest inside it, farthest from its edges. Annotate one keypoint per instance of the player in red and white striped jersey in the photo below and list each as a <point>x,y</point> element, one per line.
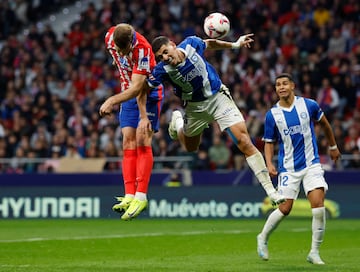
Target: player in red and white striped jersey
<point>139,114</point>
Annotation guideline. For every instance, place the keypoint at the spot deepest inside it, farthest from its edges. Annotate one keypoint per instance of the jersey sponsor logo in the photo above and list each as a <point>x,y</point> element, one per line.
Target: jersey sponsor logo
<point>298,129</point>
<point>151,114</point>
<point>198,71</point>
<point>227,111</point>
<point>144,63</point>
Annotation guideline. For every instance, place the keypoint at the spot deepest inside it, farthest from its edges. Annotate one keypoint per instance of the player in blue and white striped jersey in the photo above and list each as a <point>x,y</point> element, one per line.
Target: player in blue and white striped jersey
<point>197,83</point>
<point>291,123</point>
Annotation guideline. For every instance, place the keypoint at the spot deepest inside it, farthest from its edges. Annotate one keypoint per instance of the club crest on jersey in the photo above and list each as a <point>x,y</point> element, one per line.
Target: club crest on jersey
<point>124,62</point>
<point>194,58</point>
<point>303,115</point>
<point>143,63</point>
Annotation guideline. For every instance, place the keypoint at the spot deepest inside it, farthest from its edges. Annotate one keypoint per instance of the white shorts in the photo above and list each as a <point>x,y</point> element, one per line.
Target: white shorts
<point>219,107</point>
<point>312,177</point>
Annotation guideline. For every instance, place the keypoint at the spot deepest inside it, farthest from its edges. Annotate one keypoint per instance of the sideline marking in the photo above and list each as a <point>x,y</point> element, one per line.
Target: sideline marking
<point>152,234</point>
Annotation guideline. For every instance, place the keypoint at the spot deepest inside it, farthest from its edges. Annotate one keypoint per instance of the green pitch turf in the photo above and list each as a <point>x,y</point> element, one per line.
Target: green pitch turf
<point>171,246</point>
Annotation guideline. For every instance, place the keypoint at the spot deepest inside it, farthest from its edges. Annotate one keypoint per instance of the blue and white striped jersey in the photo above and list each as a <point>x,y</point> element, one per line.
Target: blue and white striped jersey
<point>293,128</point>
<point>193,80</point>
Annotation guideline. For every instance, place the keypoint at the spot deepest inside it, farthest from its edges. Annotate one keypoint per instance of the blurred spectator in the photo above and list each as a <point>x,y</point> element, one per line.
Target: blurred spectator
<point>219,154</point>
<point>352,140</point>
<point>202,160</point>
<point>8,20</point>
<point>17,163</point>
<point>321,15</point>
<point>60,80</point>
<point>2,130</point>
<point>328,98</point>
<point>173,181</point>
<point>337,43</point>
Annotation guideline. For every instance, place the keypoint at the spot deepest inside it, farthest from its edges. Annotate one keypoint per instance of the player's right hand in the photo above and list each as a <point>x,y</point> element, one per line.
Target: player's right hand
<point>272,171</point>
<point>107,107</point>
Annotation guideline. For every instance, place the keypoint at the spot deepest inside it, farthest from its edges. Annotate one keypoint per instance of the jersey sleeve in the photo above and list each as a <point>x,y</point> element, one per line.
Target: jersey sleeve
<point>314,109</point>
<point>108,39</point>
<point>142,60</point>
<point>156,77</point>
<point>195,42</point>
<point>269,128</point>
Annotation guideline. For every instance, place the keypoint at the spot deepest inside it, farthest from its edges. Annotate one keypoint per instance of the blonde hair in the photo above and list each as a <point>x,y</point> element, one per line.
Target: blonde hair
<point>123,35</point>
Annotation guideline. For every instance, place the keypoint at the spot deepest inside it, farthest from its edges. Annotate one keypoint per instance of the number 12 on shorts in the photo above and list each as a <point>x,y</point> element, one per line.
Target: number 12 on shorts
<point>283,181</point>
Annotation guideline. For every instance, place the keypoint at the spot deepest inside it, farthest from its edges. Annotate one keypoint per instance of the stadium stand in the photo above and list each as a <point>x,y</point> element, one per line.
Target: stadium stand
<point>55,72</point>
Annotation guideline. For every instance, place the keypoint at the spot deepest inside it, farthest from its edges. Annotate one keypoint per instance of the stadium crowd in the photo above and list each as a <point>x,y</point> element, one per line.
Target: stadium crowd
<point>51,88</point>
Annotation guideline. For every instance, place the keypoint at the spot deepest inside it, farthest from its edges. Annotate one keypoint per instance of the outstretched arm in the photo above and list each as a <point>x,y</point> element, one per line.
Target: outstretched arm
<point>138,86</point>
<point>244,40</point>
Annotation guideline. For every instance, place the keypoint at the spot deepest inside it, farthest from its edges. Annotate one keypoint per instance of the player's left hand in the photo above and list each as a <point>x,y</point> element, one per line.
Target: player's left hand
<point>244,40</point>
<point>106,108</point>
<point>144,125</point>
<point>335,154</point>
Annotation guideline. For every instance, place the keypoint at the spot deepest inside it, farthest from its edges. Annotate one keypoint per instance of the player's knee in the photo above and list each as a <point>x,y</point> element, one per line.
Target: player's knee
<point>191,148</point>
<point>246,146</point>
<point>317,204</point>
<point>285,210</point>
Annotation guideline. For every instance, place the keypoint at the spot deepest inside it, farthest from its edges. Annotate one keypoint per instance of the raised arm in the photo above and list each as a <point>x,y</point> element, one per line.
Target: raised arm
<point>244,40</point>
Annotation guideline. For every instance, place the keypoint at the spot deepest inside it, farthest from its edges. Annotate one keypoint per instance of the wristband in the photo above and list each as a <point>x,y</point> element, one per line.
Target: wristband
<point>235,45</point>
<point>333,147</point>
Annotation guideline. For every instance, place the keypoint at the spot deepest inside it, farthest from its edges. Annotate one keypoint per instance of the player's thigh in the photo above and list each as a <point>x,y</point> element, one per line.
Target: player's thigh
<point>224,111</point>
<point>289,184</point>
<point>129,119</point>
<point>153,110</point>
<point>240,136</point>
<point>195,121</point>
<point>314,178</point>
<point>129,114</point>
<point>129,137</point>
<point>316,197</point>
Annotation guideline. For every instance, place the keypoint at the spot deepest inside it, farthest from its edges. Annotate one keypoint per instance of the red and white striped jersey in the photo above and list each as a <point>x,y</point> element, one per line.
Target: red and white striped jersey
<point>140,60</point>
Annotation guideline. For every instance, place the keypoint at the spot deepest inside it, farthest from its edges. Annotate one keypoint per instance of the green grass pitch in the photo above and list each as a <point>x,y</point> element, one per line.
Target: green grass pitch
<point>171,245</point>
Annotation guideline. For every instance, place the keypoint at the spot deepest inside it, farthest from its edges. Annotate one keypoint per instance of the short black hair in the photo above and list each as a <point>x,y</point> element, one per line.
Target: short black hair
<point>286,75</point>
<point>158,42</point>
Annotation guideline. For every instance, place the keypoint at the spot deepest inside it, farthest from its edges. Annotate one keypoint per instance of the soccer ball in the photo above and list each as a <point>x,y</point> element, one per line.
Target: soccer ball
<point>216,25</point>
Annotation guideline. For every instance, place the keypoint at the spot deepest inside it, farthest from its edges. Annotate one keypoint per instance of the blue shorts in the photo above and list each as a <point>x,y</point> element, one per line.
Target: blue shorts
<point>129,113</point>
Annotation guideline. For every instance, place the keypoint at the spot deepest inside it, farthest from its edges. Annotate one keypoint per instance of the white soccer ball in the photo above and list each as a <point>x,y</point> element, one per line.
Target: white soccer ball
<point>216,25</point>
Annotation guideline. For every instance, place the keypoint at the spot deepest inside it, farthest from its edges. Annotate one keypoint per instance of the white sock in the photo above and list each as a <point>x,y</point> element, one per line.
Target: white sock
<point>141,196</point>
<point>129,195</point>
<point>271,224</point>
<point>179,124</point>
<point>257,164</point>
<point>318,228</point>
